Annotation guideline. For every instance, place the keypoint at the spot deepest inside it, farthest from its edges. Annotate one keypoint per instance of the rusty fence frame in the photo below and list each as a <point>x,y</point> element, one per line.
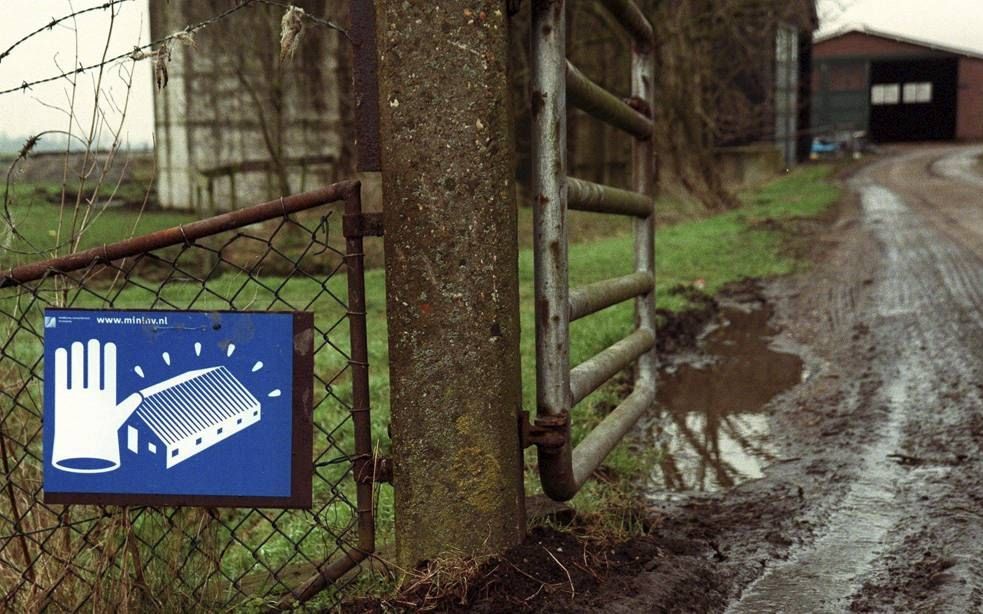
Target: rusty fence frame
<point>365,468</point>
<point>555,83</point>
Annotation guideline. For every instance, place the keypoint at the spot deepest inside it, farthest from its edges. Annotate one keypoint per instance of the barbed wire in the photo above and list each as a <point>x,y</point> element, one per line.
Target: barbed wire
<point>327,23</point>
<point>130,54</point>
<point>139,51</point>
<point>54,22</point>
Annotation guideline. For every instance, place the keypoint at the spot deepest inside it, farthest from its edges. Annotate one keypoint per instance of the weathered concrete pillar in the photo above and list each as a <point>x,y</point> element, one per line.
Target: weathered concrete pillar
<point>452,278</point>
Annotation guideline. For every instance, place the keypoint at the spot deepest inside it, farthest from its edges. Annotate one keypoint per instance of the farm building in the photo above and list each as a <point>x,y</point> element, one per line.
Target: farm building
<point>896,88</point>
<point>190,413</point>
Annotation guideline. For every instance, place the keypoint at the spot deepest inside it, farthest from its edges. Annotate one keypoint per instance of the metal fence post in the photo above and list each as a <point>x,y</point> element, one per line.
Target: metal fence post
<point>452,276</point>
<point>643,175</point>
<point>549,180</point>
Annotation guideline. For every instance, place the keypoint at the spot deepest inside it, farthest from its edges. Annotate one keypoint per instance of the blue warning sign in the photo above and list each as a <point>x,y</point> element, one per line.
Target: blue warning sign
<point>176,407</point>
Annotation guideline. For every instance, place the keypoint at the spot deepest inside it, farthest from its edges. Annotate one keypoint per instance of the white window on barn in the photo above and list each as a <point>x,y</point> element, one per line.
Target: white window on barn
<point>917,92</point>
<point>132,440</point>
<point>151,447</point>
<point>885,93</point>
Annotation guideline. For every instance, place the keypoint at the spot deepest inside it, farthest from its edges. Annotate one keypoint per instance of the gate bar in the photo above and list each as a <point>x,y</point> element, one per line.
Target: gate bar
<point>599,198</point>
<point>605,106</point>
<point>595,447</point>
<point>643,174</point>
<point>588,376</point>
<point>631,18</point>
<point>602,294</point>
<point>180,234</point>
<point>549,169</point>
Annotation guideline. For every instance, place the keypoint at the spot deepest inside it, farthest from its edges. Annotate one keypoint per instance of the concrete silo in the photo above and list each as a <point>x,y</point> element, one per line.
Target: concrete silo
<point>235,123</point>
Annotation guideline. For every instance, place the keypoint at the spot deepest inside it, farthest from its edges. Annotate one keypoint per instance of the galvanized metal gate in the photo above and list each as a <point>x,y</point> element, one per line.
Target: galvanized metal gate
<point>557,82</point>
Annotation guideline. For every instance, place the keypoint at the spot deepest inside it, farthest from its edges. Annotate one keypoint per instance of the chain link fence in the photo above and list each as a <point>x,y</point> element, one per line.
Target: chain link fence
<point>285,255</point>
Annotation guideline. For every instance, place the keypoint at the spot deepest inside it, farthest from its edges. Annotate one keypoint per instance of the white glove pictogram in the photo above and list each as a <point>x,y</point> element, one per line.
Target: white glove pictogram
<point>87,416</point>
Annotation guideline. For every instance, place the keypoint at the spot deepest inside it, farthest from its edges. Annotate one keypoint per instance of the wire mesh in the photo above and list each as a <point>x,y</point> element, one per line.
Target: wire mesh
<point>96,558</point>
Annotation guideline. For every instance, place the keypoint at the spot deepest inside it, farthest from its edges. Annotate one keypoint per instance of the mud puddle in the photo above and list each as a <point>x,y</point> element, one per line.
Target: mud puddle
<point>712,433</point>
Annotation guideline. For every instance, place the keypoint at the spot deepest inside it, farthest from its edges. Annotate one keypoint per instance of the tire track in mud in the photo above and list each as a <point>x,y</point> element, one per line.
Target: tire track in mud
<point>924,318</point>
<point>960,166</point>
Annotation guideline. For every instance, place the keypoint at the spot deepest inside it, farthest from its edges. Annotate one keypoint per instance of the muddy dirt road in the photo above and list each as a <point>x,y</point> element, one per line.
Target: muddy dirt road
<point>872,495</point>
<point>822,448</point>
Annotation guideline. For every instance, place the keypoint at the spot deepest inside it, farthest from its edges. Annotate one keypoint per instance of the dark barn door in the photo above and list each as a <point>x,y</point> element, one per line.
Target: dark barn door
<point>913,100</point>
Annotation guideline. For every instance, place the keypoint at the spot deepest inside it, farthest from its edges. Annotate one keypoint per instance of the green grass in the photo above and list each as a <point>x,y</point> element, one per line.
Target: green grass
<point>719,249</point>
<point>44,229</point>
<point>739,244</point>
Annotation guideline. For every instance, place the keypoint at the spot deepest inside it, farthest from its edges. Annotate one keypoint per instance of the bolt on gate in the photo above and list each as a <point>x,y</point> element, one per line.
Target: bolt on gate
<point>555,83</point>
<point>276,255</point>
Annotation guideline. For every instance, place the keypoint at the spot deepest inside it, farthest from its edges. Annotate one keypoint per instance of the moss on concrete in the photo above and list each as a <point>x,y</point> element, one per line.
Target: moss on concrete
<point>451,261</point>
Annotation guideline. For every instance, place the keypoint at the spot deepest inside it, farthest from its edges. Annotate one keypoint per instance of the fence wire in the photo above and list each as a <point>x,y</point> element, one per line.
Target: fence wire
<point>105,558</point>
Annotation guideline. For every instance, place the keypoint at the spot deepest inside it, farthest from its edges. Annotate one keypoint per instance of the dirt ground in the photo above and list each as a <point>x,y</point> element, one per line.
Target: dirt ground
<point>875,500</point>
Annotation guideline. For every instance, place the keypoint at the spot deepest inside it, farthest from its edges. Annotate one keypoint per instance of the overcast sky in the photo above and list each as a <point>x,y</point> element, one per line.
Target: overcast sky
<point>953,22</point>
<point>28,113</point>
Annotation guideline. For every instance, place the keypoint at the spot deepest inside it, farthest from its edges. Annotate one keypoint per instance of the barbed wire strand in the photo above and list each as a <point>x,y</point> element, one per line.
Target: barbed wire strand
<point>54,22</point>
<point>137,50</point>
<point>129,54</point>
<point>327,23</point>
<point>134,54</point>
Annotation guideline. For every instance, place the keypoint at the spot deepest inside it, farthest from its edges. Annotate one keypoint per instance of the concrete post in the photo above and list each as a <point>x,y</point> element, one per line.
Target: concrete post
<point>451,274</point>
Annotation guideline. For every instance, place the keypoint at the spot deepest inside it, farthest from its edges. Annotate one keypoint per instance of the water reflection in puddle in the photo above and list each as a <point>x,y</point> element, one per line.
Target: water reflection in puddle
<point>712,434</point>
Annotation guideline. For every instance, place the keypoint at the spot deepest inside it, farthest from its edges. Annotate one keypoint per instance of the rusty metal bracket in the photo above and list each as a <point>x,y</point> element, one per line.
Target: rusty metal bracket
<point>375,469</point>
<point>546,432</point>
<point>640,105</point>
<point>362,225</point>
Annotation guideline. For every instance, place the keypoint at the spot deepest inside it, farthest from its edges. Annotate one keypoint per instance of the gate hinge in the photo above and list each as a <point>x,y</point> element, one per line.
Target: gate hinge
<point>362,225</point>
<point>550,432</point>
<point>375,469</point>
